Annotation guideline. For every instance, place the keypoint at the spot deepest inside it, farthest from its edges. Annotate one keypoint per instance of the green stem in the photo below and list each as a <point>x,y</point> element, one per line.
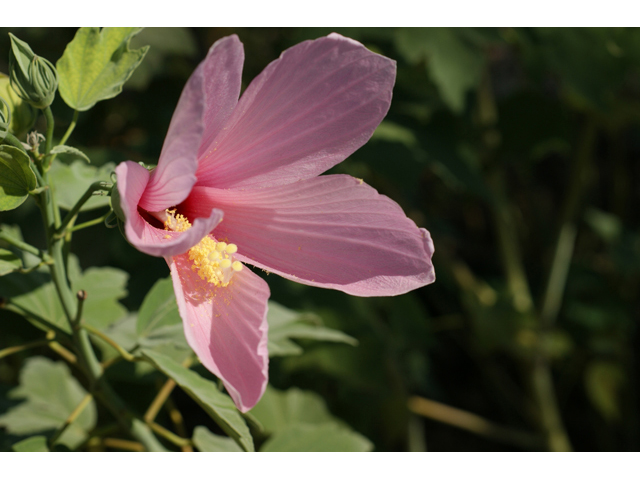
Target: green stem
<point>24,246</point>
<point>510,247</point>
<point>13,141</point>
<point>89,223</point>
<point>5,352</point>
<point>86,356</point>
<point>507,233</point>
<point>50,125</point>
<point>580,177</point>
<point>94,187</point>
<point>126,355</point>
<point>138,429</point>
<point>72,125</point>
<point>159,401</point>
<point>49,160</point>
<point>169,435</point>
<point>558,275</point>
<point>71,418</point>
<point>82,296</point>
<point>542,382</point>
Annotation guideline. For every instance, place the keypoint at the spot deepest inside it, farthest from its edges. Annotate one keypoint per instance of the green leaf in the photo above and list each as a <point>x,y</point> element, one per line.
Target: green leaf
<point>71,151</point>
<point>95,65</point>
<point>32,444</point>
<point>205,392</point>
<point>278,410</point>
<point>286,324</point>
<point>299,421</point>
<point>205,441</point>
<point>8,262</point>
<point>16,177</point>
<point>104,287</point>
<point>69,182</point>
<point>159,310</point>
<point>454,66</point>
<point>50,394</point>
<point>317,438</point>
<point>35,295</point>
<point>159,322</point>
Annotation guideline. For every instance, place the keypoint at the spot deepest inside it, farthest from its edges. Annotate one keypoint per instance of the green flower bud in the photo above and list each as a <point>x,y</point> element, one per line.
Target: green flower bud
<point>22,114</point>
<point>34,78</point>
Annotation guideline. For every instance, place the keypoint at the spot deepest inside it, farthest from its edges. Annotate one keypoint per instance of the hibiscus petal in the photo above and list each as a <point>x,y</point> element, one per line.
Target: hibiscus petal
<point>332,231</point>
<point>132,181</point>
<point>206,103</point>
<point>226,327</point>
<point>307,111</point>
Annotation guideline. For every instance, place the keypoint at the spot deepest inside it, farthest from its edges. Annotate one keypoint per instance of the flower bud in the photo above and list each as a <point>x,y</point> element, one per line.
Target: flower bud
<point>21,113</point>
<point>34,78</point>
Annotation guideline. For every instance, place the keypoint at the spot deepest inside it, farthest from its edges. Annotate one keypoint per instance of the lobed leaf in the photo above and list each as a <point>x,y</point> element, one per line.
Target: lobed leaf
<point>278,410</point>
<point>16,177</point>
<point>95,65</point>
<point>50,394</point>
<point>286,324</point>
<point>35,296</point>
<point>70,182</point>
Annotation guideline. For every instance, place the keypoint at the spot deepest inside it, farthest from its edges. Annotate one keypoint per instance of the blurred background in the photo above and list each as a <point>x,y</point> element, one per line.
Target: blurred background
<point>518,150</point>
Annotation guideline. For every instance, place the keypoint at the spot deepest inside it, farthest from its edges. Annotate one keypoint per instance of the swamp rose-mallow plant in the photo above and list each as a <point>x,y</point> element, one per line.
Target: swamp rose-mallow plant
<point>238,183</point>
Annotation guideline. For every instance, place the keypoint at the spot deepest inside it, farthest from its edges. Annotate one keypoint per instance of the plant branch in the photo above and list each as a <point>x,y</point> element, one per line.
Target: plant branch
<point>473,423</point>
<point>10,139</point>
<point>94,187</point>
<point>50,126</point>
<point>5,352</point>
<point>71,418</point>
<point>72,125</point>
<point>25,246</point>
<point>158,402</point>
<point>169,435</point>
<point>94,331</point>
<point>89,223</point>
<point>122,444</point>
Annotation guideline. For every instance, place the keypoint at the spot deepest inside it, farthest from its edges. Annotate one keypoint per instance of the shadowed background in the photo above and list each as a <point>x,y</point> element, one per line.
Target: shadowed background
<point>518,150</point>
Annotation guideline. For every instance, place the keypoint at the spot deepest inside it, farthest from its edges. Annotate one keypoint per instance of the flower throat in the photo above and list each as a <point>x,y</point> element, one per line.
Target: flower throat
<point>212,261</point>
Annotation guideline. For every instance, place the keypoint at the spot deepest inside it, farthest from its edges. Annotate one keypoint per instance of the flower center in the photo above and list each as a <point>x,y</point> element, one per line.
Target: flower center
<point>212,261</point>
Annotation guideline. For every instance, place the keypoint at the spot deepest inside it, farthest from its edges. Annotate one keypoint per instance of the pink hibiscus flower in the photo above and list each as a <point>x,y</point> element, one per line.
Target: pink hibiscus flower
<point>237,182</point>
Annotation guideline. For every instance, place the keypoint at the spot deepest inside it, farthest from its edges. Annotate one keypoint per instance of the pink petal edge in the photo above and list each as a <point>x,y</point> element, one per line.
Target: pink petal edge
<point>132,181</point>
<point>307,111</point>
<point>205,104</point>
<point>331,231</point>
<point>227,328</point>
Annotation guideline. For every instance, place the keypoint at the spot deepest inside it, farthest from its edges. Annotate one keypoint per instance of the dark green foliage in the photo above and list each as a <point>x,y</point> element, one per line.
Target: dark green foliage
<point>496,139</point>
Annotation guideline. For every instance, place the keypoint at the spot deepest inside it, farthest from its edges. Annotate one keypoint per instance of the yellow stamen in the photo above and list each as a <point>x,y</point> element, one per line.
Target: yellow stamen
<point>212,261</point>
